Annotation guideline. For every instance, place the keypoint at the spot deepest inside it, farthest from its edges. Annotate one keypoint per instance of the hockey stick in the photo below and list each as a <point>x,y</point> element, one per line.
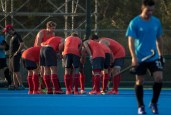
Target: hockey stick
<point>149,56</point>
<point>129,67</point>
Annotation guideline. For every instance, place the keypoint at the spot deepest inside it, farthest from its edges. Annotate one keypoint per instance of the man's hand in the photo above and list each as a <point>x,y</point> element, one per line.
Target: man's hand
<point>133,70</point>
<point>134,65</point>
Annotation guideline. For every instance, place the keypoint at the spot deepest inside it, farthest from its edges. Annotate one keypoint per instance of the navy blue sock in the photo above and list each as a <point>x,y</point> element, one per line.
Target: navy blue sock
<point>156,92</point>
<point>139,95</point>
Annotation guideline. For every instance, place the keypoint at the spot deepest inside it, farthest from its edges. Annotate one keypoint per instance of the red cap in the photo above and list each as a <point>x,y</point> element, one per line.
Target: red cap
<point>8,26</point>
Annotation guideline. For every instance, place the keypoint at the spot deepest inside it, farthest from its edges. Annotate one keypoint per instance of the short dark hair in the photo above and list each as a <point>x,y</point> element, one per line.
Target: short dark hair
<point>50,24</point>
<point>94,37</point>
<point>75,34</point>
<point>148,2</point>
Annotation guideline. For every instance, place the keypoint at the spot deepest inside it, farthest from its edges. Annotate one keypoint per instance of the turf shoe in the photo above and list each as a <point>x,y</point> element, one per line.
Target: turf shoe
<point>83,92</point>
<point>38,92</point>
<point>76,93</point>
<point>98,93</point>
<point>93,92</point>
<point>20,87</point>
<point>59,92</point>
<point>154,108</point>
<point>49,92</point>
<point>11,87</point>
<point>68,92</point>
<point>30,92</point>
<point>141,110</point>
<point>113,92</point>
<point>104,92</point>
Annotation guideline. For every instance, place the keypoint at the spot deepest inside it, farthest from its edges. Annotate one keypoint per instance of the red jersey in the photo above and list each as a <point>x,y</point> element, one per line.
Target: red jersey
<point>46,36</point>
<point>117,49</point>
<point>53,42</point>
<point>32,53</point>
<point>96,49</point>
<point>106,48</point>
<point>72,45</point>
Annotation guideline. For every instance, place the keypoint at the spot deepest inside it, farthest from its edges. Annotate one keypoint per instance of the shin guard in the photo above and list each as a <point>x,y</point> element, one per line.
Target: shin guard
<point>116,82</point>
<point>30,83</point>
<point>35,80</point>
<point>97,83</point>
<point>67,79</point>
<point>105,81</point>
<point>47,81</point>
<point>71,82</point>
<point>55,82</point>
<point>82,81</point>
<point>139,95</point>
<point>76,82</point>
<point>156,92</point>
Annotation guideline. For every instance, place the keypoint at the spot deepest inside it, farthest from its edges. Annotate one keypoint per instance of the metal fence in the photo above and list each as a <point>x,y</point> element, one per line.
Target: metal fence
<point>119,35</point>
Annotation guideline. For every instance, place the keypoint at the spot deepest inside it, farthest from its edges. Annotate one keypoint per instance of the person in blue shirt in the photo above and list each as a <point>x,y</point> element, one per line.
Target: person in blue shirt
<point>144,34</point>
<point>3,62</point>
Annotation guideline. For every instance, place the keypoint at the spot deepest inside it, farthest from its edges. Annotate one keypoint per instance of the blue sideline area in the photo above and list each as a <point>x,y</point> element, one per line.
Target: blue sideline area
<point>20,103</point>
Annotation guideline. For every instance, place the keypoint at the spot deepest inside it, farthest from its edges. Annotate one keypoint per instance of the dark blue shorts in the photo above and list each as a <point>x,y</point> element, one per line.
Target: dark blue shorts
<point>98,63</point>
<point>3,63</point>
<point>48,56</point>
<point>151,66</point>
<point>71,60</point>
<point>119,62</point>
<point>29,65</point>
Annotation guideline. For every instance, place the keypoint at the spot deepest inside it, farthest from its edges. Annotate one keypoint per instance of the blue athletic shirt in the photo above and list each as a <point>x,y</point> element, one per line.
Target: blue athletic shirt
<point>2,52</point>
<point>145,34</point>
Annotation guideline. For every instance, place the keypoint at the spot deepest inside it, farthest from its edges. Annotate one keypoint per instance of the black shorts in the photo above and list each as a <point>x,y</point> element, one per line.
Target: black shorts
<point>3,63</point>
<point>98,63</point>
<point>29,65</point>
<point>151,66</point>
<point>14,63</point>
<point>119,62</point>
<point>107,61</point>
<point>71,60</point>
<point>48,56</point>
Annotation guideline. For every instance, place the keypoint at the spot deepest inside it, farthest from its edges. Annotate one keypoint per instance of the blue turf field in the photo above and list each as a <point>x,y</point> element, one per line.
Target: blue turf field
<point>20,103</point>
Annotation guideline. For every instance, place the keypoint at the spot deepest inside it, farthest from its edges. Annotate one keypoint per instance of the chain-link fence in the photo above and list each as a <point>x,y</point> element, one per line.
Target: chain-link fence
<point>127,79</point>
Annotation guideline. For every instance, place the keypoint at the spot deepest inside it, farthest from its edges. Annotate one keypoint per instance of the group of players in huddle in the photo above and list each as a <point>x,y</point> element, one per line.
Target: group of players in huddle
<point>106,57</point>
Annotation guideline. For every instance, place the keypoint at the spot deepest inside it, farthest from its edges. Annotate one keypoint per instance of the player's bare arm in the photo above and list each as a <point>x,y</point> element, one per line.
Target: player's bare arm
<point>159,43</point>
<point>87,47</point>
<point>39,38</point>
<point>132,51</point>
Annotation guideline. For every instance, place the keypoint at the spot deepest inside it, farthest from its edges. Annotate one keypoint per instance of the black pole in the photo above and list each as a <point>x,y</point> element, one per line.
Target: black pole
<point>88,19</point>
